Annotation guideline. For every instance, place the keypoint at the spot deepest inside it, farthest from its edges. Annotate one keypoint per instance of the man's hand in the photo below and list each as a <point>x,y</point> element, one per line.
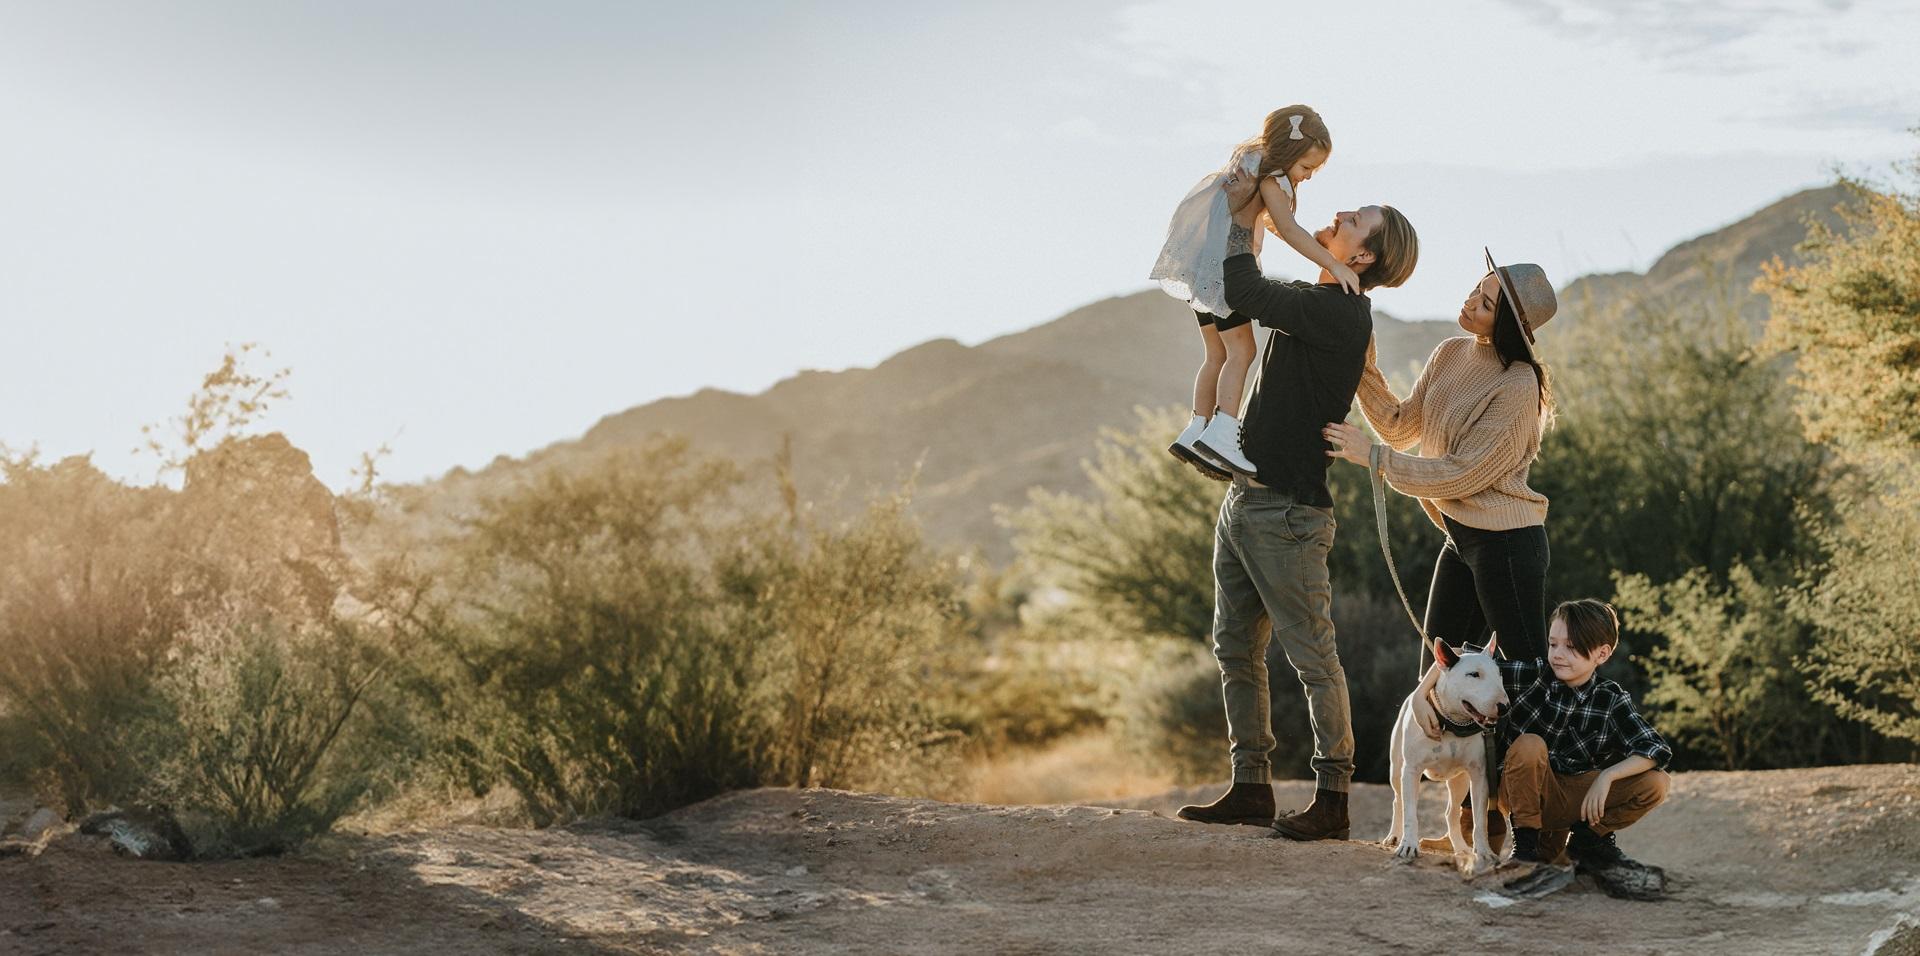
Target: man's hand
<point>1595,805</point>
<point>1243,197</point>
<point>1349,442</point>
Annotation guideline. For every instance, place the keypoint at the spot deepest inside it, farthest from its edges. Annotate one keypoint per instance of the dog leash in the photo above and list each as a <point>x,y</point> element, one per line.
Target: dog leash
<point>1377,458</point>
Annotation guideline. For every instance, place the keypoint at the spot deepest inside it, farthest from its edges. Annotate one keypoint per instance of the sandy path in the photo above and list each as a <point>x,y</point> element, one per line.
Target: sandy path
<point>1816,861</point>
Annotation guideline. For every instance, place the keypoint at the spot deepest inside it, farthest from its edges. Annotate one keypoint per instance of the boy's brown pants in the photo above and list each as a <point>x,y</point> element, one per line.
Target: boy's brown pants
<point>1534,796</point>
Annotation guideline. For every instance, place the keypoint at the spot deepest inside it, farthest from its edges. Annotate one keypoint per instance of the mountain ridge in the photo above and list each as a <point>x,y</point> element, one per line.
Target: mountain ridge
<point>980,425</point>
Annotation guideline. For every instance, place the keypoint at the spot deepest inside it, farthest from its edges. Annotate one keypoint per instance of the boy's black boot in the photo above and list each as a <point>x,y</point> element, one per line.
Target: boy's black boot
<point>1526,845</point>
<point>1620,875</point>
<point>1538,879</point>
<point>1244,802</point>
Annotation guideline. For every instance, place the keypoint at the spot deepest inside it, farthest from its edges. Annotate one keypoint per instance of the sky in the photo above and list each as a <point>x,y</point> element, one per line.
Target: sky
<point>472,228</point>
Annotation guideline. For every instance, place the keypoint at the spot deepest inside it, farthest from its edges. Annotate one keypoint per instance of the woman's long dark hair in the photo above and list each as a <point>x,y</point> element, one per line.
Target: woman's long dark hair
<point>1511,345</point>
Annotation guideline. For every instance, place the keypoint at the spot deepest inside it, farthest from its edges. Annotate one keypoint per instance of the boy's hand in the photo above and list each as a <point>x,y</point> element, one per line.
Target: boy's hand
<point>1595,805</point>
<point>1348,279</point>
<point>1428,718</point>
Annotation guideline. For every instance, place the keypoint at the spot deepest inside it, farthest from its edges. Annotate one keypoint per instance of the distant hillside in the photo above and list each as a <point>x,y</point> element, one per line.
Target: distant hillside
<point>1721,262</point>
<point>985,422</point>
<point>988,422</point>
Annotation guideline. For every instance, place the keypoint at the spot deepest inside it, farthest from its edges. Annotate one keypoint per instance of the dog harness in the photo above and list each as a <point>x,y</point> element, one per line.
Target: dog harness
<point>1490,741</point>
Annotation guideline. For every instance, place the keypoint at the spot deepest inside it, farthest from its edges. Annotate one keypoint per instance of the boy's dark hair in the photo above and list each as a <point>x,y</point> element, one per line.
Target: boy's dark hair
<point>1591,624</point>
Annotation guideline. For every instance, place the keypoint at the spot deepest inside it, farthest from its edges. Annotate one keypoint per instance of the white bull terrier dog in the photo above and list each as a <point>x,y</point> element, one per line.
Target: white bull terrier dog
<point>1468,698</point>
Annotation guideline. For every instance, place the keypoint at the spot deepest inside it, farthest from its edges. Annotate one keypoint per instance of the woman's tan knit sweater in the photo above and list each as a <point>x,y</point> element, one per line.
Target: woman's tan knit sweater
<point>1478,428</point>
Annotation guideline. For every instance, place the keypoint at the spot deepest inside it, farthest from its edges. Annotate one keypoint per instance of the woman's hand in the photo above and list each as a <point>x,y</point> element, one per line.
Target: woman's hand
<point>1349,442</point>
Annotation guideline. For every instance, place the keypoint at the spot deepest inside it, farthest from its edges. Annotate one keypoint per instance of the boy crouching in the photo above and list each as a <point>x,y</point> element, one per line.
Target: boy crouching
<point>1580,759</point>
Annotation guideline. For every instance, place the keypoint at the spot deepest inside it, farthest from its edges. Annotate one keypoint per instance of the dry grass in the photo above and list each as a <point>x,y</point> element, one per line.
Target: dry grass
<point>1074,770</point>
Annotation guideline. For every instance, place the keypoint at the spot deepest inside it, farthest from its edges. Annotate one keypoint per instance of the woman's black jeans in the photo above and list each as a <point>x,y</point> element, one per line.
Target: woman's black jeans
<point>1492,579</point>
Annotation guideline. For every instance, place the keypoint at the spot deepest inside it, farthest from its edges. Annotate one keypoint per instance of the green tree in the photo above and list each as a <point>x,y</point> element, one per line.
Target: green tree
<point>1676,449</point>
<point>1849,316</point>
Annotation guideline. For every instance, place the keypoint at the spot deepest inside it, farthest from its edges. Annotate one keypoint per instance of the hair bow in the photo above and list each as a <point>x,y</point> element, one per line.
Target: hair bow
<point>1295,120</point>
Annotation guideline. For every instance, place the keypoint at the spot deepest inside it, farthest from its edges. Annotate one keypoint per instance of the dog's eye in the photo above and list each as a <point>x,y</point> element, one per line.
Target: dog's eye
<point>1474,674</point>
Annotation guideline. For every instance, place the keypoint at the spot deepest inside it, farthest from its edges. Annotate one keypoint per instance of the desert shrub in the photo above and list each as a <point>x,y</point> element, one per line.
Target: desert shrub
<point>181,647</point>
<point>625,638</point>
<point>850,619</point>
<point>583,659</point>
<point>1862,607</point>
<point>87,616</point>
<point>1725,682</point>
<point>263,749</point>
<point>1174,715</point>
<point>133,679</point>
<point>1029,690</point>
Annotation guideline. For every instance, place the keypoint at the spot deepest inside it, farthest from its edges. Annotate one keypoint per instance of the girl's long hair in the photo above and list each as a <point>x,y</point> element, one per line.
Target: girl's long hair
<point>1511,345</point>
<point>1278,152</point>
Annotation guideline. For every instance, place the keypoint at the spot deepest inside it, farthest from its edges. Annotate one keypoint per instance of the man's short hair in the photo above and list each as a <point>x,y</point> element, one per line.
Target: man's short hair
<point>1591,625</point>
<point>1395,247</point>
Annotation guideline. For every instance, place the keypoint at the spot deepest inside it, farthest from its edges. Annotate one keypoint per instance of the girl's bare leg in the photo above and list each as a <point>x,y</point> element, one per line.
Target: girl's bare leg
<point>1209,377</point>
<point>1240,349</point>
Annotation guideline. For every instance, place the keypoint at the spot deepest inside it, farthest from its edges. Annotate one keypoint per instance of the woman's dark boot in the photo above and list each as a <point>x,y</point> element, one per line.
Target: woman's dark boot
<point>1324,819</point>
<point>1245,803</point>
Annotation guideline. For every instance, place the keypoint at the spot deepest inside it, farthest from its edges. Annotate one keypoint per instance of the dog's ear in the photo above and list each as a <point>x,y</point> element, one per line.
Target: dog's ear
<point>1492,643</point>
<point>1444,654</point>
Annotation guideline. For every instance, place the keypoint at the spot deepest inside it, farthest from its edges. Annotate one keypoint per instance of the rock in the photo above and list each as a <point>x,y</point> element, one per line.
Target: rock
<point>40,821</point>
<point>258,497</point>
<point>1900,939</point>
<point>935,885</point>
<point>144,833</point>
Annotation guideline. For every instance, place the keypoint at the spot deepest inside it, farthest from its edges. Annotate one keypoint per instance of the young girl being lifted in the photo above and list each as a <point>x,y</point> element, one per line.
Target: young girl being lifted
<point>1293,145</point>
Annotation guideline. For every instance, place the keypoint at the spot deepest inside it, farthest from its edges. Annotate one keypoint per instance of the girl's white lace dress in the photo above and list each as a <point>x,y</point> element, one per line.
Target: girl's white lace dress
<point>1189,264</point>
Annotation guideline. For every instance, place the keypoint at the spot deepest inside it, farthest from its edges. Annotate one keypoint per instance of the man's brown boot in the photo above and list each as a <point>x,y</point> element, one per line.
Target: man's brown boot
<point>1496,833</point>
<point>1323,819</point>
<point>1245,803</point>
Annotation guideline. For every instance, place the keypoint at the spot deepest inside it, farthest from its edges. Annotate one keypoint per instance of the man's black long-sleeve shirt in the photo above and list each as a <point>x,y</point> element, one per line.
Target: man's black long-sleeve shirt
<point>1308,376</point>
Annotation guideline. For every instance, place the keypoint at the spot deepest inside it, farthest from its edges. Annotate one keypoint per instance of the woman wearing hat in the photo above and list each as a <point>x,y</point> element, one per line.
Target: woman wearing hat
<point>1476,413</point>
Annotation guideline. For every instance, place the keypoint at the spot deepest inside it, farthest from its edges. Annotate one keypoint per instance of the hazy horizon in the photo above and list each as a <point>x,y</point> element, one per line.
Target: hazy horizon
<point>473,229</point>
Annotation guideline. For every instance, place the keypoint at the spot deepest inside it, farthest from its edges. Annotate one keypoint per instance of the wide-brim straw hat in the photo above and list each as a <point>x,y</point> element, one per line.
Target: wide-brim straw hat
<point>1531,295</point>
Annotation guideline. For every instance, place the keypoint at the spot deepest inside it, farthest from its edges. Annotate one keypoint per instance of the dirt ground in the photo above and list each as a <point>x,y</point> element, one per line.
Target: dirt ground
<point>1802,861</point>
